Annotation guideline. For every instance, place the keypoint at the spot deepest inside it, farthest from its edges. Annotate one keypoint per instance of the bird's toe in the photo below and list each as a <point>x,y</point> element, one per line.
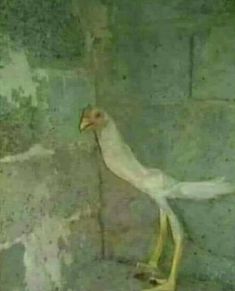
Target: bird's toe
<point>165,286</point>
<point>147,272</point>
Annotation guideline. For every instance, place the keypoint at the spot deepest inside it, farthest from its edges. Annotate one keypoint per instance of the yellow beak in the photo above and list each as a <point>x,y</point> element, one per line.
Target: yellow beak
<point>85,123</point>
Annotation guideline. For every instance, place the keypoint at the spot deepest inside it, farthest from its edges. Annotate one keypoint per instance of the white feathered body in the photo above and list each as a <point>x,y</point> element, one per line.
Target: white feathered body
<point>120,159</point>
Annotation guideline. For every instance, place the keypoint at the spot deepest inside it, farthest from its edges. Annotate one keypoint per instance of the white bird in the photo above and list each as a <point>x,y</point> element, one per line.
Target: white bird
<point>120,160</point>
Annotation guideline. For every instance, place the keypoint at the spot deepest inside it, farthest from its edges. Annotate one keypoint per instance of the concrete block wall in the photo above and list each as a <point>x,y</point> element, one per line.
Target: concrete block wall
<point>165,73</point>
<point>171,93</point>
<point>49,194</point>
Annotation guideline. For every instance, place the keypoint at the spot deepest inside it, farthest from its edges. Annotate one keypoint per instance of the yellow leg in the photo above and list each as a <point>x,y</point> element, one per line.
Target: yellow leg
<point>155,257</point>
<point>176,260</point>
<point>151,269</point>
<point>170,283</point>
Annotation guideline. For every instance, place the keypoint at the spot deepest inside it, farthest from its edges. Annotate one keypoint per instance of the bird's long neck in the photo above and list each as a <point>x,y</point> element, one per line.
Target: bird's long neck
<point>117,155</point>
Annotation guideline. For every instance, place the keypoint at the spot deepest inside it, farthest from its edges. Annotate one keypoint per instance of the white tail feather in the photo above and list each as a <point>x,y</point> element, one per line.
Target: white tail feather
<point>204,190</point>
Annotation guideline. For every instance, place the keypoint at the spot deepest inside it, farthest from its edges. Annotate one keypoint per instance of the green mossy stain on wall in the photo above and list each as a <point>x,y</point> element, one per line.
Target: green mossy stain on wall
<point>48,29</point>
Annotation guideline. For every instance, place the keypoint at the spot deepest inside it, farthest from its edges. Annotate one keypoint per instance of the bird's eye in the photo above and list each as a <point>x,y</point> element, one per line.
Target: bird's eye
<point>98,115</point>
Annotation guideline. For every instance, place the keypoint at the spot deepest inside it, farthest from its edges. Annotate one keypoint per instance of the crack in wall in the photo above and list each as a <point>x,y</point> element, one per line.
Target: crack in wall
<point>101,208</point>
<point>191,64</point>
<point>94,22</point>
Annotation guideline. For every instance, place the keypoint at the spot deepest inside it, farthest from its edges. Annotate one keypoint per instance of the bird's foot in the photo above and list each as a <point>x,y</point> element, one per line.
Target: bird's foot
<point>165,285</point>
<point>148,272</point>
<point>157,281</point>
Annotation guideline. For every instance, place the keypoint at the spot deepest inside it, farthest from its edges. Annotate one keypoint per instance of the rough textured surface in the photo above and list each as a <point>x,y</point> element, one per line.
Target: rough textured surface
<point>124,236</point>
<point>214,64</point>
<point>165,73</point>
<point>49,212</point>
<point>12,268</point>
<point>47,28</point>
<point>108,275</point>
<point>171,74</point>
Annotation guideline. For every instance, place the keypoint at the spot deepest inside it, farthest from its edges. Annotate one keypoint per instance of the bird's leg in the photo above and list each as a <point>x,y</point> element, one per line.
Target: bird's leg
<point>155,257</point>
<point>151,269</point>
<point>178,235</point>
<point>170,283</point>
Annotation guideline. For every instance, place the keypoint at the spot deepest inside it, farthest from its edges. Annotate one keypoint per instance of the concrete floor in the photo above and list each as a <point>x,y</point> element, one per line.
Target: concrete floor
<point>110,276</point>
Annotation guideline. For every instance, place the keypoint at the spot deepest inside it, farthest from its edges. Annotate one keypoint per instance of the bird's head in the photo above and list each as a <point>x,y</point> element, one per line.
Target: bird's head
<point>92,118</point>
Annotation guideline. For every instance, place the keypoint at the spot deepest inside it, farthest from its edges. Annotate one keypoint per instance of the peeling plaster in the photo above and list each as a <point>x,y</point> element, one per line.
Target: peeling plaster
<point>36,150</point>
<point>8,244</point>
<point>18,76</point>
<point>44,254</point>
